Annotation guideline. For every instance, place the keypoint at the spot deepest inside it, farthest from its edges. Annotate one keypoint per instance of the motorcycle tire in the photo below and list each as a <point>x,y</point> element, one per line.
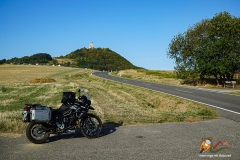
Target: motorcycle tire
<point>36,134</point>
<point>91,126</point>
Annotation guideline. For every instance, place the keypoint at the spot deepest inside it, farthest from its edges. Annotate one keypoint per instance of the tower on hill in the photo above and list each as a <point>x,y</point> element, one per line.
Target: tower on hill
<point>91,45</point>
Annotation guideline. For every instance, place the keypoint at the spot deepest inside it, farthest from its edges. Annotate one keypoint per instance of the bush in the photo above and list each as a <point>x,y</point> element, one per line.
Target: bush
<point>4,89</point>
<point>206,112</point>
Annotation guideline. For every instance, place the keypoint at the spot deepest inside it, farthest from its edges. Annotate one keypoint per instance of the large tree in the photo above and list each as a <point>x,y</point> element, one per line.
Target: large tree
<point>208,48</point>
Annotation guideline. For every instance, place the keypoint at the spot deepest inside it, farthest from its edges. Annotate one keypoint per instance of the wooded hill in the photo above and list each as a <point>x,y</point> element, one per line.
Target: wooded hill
<point>99,59</point>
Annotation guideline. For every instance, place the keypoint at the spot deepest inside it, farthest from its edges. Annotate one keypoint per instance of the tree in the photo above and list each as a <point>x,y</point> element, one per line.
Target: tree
<point>25,59</point>
<point>55,62</point>
<point>3,61</point>
<point>41,57</point>
<point>208,48</point>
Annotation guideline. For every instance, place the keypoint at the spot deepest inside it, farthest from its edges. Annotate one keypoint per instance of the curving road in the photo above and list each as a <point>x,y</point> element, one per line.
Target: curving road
<point>226,105</point>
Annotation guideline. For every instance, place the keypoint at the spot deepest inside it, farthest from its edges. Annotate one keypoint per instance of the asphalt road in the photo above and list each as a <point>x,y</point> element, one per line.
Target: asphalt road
<point>154,142</point>
<point>226,105</point>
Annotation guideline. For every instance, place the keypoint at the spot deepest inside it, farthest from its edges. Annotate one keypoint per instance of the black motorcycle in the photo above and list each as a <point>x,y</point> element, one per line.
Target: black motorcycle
<point>72,114</point>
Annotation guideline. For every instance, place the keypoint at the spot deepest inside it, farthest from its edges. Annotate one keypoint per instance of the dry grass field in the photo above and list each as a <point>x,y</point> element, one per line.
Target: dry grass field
<point>115,103</point>
<point>165,77</point>
<point>22,74</point>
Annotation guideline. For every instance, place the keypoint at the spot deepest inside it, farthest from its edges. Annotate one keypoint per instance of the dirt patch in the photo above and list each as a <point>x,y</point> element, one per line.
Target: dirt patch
<point>42,80</point>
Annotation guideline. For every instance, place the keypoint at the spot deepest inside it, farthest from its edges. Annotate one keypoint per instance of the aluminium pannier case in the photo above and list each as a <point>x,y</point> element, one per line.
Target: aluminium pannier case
<point>40,114</point>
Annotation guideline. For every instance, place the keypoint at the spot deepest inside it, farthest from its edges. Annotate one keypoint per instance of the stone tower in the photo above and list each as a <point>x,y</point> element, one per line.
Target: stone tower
<point>91,45</point>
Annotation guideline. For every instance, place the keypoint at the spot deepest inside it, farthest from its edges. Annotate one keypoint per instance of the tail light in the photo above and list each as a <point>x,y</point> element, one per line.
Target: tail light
<point>26,108</point>
<point>25,113</point>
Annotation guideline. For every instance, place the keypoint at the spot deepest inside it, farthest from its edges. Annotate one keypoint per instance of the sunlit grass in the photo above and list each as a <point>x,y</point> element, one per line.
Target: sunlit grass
<point>166,77</point>
<point>237,93</point>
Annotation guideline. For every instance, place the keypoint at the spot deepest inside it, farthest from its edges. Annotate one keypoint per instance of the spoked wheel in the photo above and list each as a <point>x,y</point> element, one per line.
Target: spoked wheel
<point>91,126</point>
<point>36,134</point>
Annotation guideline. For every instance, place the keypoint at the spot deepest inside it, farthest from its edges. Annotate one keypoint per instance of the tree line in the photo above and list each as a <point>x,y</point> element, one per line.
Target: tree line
<point>41,58</point>
<point>210,47</point>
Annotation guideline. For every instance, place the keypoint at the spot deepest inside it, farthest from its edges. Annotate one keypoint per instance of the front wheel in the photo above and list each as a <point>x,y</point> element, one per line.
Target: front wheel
<point>91,126</point>
<point>36,134</point>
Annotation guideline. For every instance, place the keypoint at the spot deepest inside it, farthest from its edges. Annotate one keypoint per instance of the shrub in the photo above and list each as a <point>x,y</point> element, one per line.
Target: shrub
<point>4,89</point>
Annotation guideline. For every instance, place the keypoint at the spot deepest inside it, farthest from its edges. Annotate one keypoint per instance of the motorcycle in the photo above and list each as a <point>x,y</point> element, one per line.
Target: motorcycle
<point>70,116</point>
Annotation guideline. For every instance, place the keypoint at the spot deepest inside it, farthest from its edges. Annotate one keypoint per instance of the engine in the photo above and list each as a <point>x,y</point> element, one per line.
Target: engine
<point>68,115</point>
<point>69,120</point>
<point>66,119</point>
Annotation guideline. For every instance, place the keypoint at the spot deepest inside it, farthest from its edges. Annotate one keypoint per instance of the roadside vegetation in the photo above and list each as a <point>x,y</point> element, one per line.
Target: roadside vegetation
<point>170,77</point>
<point>236,93</point>
<point>115,103</point>
<point>165,77</point>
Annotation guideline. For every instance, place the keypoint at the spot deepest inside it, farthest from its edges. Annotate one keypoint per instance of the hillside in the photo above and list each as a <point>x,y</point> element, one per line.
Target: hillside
<point>99,59</point>
<point>95,58</point>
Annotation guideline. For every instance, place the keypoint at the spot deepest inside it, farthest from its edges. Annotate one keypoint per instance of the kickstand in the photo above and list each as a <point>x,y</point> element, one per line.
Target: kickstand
<point>58,135</point>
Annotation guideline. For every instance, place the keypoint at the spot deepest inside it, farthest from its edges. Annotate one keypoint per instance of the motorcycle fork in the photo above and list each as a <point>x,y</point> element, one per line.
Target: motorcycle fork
<point>83,120</point>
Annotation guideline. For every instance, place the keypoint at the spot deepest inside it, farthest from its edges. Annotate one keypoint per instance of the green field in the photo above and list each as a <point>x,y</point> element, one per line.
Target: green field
<point>115,103</point>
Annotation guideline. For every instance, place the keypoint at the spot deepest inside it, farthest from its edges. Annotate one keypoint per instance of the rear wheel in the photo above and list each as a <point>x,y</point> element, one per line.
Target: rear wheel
<point>91,126</point>
<point>35,133</point>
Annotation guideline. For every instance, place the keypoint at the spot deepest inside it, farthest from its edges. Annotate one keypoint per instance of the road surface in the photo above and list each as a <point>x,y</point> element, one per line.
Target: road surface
<point>167,141</point>
<point>226,105</point>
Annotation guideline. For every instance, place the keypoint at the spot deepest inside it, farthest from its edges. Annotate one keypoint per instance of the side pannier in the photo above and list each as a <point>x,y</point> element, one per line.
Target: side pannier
<point>40,114</point>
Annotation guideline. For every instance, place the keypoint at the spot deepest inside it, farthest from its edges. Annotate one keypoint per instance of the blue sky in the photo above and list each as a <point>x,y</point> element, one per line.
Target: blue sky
<point>138,30</point>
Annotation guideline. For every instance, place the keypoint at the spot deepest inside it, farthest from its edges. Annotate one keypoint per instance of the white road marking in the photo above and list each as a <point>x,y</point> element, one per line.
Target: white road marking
<point>147,84</point>
<point>183,91</point>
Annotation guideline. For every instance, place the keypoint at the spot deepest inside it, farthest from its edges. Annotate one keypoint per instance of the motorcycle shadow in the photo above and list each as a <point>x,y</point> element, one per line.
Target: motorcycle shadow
<point>61,136</point>
<point>108,128</point>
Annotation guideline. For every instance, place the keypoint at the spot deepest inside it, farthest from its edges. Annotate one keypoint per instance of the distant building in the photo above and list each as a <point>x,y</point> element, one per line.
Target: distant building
<point>91,45</point>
